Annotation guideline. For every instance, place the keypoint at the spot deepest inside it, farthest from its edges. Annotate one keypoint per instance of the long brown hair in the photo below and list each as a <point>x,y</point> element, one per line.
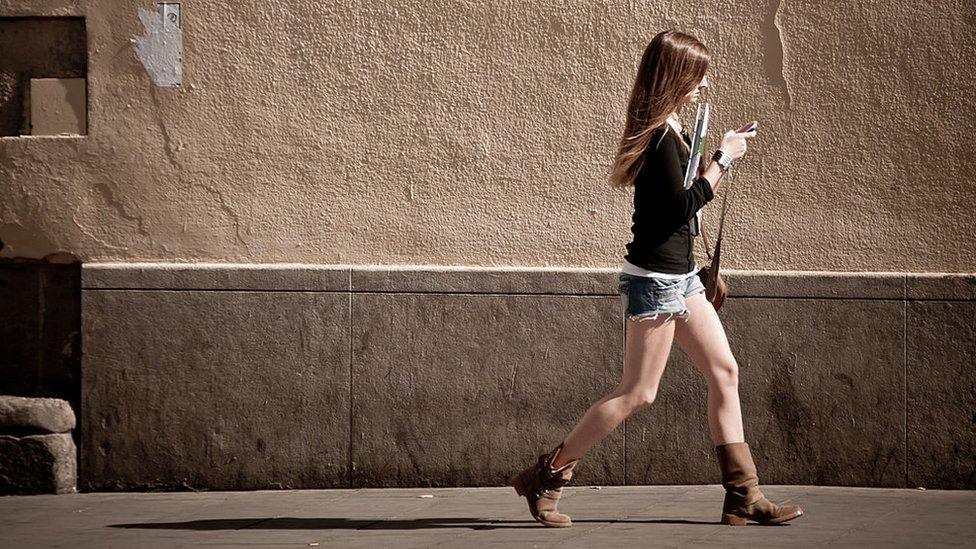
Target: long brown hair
<point>673,64</point>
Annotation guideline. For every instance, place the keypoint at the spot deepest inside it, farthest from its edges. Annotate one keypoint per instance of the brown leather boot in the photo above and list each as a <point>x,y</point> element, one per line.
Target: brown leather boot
<point>542,486</point>
<point>743,499</point>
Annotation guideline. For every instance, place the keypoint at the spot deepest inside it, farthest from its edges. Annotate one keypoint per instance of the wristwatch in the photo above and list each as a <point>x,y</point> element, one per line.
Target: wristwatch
<point>723,159</point>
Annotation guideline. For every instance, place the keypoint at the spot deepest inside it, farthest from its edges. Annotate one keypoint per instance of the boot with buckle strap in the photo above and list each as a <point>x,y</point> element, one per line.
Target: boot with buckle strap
<point>743,498</point>
<point>542,486</point>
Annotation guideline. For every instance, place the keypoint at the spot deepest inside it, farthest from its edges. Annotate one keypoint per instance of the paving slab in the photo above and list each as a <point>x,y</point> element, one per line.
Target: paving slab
<point>617,516</point>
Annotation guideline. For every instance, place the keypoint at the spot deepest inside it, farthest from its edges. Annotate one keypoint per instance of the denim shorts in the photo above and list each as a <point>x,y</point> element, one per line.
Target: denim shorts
<point>647,297</point>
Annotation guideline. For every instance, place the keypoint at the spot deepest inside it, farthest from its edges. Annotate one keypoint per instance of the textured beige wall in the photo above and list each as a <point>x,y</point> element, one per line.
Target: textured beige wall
<point>480,133</point>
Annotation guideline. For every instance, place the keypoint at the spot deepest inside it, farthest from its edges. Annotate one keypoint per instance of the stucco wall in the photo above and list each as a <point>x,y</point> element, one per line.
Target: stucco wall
<point>480,133</point>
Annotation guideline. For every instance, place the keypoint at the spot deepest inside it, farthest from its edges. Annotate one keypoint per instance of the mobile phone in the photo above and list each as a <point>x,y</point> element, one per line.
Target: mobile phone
<point>748,127</point>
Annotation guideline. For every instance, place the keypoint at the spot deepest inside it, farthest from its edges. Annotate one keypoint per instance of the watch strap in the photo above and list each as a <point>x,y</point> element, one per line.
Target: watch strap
<point>722,158</point>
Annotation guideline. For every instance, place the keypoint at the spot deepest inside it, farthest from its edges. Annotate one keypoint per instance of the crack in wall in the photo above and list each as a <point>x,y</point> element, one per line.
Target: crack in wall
<point>109,195</point>
<point>161,122</point>
<point>774,49</point>
<point>177,165</point>
<point>93,237</point>
<point>230,211</point>
<point>171,155</point>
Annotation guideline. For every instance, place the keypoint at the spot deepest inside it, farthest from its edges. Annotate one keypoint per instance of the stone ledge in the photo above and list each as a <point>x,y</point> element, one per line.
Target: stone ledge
<point>214,276</point>
<point>815,284</point>
<point>508,280</point>
<point>942,286</point>
<point>526,280</point>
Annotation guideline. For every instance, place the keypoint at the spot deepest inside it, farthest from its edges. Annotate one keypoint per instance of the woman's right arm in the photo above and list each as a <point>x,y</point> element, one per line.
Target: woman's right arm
<point>734,144</point>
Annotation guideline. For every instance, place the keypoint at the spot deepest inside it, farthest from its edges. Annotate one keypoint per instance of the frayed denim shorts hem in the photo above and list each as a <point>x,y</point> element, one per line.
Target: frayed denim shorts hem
<point>650,297</point>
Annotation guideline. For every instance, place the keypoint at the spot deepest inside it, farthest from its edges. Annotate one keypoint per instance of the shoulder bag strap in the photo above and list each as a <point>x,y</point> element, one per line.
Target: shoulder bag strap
<point>721,225</point>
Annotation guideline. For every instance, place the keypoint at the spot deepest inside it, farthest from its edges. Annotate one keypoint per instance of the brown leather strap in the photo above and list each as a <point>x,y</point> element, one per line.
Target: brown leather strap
<point>701,229</point>
<point>721,225</point>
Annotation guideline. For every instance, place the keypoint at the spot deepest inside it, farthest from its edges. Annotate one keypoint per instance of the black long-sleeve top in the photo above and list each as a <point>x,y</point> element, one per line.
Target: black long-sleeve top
<point>663,208</point>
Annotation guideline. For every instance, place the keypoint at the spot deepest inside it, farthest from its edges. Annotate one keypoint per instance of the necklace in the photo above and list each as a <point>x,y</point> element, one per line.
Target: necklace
<point>677,123</point>
<point>680,128</point>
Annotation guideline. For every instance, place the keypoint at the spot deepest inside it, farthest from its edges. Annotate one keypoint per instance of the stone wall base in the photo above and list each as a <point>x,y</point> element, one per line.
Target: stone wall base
<point>302,376</point>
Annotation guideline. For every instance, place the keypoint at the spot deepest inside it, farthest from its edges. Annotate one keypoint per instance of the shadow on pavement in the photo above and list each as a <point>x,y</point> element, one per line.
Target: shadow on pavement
<point>324,523</point>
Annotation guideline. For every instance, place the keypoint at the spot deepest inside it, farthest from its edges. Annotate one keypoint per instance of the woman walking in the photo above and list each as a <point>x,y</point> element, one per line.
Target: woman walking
<point>662,295</point>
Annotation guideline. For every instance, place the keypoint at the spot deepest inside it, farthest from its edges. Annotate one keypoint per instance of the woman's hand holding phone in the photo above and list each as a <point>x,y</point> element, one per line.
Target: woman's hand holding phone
<point>734,141</point>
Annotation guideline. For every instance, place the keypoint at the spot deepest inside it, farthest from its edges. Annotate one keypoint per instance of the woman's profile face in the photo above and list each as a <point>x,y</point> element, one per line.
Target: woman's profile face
<point>695,94</point>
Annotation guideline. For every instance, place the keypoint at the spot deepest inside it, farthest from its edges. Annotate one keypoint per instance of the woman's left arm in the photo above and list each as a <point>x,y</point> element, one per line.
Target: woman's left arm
<point>681,203</point>
<point>714,174</point>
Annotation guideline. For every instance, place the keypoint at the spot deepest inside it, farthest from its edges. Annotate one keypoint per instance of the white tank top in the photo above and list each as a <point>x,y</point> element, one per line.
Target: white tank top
<point>632,269</point>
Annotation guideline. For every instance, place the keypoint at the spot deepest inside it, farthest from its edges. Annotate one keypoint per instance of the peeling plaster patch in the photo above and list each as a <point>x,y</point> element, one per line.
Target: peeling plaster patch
<point>160,49</point>
<point>774,48</point>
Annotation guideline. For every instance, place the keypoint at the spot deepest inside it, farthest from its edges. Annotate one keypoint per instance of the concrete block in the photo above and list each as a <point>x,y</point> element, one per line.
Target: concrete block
<point>51,415</point>
<point>58,106</point>
<point>941,286</point>
<point>822,389</point>
<point>424,278</point>
<point>461,390</point>
<point>942,394</point>
<point>37,464</point>
<point>227,389</point>
<point>214,276</point>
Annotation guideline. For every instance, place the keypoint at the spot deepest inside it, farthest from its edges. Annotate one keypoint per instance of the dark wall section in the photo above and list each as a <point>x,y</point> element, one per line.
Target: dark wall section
<point>40,326</point>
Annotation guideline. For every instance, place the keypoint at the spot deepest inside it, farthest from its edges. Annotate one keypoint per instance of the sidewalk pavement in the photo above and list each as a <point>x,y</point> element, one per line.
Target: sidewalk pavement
<point>610,516</point>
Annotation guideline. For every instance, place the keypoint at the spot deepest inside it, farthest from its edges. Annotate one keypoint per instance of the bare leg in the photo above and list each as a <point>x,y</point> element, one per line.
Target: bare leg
<point>648,344</point>
<point>703,339</point>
